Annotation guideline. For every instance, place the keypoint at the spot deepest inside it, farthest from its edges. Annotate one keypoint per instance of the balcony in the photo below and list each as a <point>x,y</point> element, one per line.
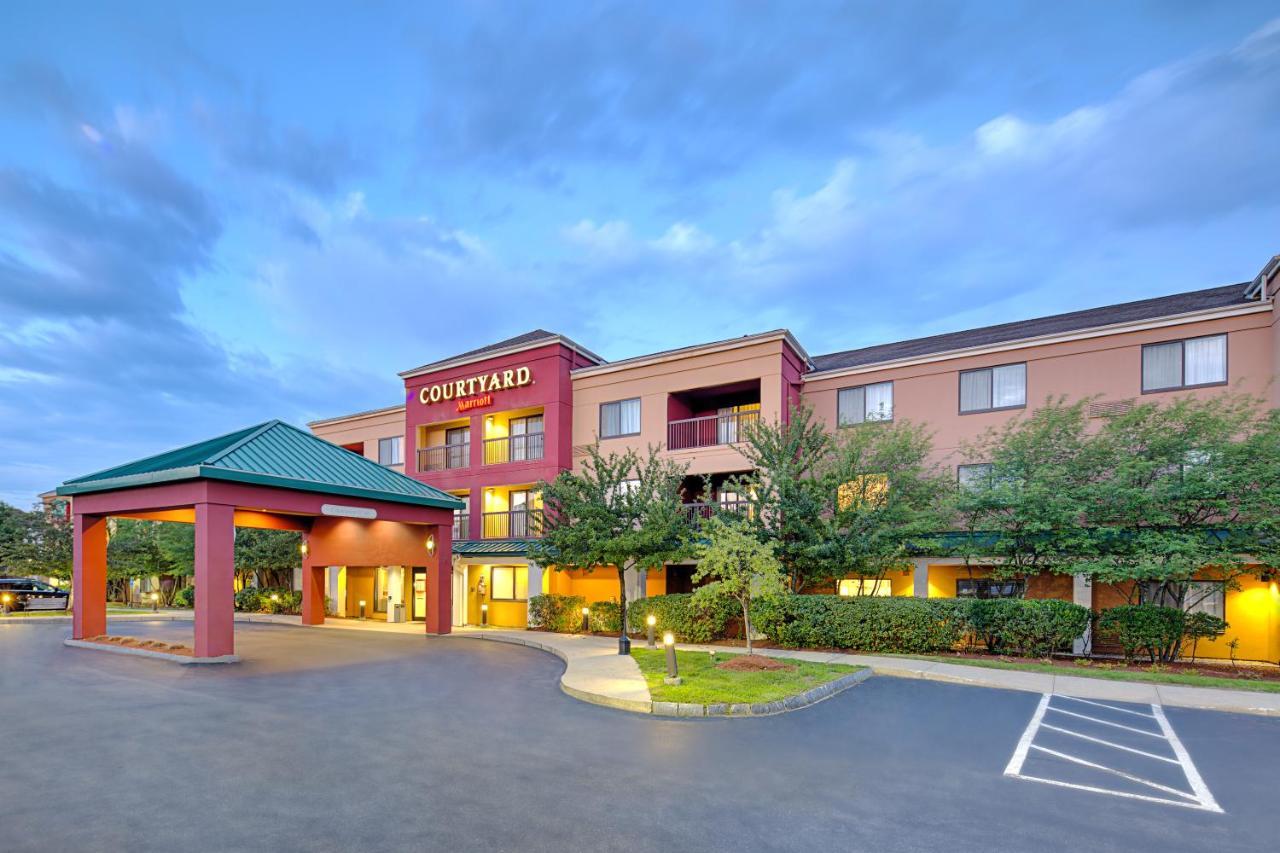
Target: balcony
<point>697,512</point>
<point>444,457</point>
<point>461,525</point>
<point>512,524</point>
<point>514,448</point>
<point>710,430</point>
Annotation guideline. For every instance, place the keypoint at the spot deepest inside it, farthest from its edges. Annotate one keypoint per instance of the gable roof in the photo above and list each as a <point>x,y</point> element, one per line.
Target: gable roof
<point>273,454</point>
<point>537,337</point>
<point>1231,295</point>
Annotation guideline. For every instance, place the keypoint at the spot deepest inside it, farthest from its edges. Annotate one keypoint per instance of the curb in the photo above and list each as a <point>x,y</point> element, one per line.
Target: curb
<point>764,709</point>
<point>185,660</point>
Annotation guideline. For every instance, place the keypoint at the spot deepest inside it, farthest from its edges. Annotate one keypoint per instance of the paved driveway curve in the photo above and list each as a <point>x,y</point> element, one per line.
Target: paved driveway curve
<point>346,740</point>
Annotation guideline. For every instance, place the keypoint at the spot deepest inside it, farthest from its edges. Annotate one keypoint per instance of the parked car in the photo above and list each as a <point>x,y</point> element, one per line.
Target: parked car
<point>31,594</point>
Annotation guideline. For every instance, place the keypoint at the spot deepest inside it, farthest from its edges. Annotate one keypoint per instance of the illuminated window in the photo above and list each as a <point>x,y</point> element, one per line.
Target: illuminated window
<point>509,583</point>
<point>865,586</point>
<point>869,489</point>
<point>864,403</point>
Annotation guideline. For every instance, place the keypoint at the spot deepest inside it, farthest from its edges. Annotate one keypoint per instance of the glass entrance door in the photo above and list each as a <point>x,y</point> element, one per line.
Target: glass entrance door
<point>419,595</point>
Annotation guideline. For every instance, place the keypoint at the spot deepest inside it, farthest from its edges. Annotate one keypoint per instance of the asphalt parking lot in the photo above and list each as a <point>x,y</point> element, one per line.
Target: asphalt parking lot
<point>340,740</point>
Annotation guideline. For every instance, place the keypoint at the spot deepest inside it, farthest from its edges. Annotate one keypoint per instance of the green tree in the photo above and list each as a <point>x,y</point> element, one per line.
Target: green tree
<point>737,566</point>
<point>786,498</point>
<point>620,511</point>
<point>15,527</point>
<point>1024,512</point>
<point>272,555</point>
<point>885,496</point>
<point>133,551</point>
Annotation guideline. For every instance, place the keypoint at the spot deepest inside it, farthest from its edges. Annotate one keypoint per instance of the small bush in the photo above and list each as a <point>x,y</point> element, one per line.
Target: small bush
<point>249,600</point>
<point>1202,626</point>
<point>286,601</point>
<point>1154,631</point>
<point>678,614</point>
<point>1029,627</point>
<point>872,624</point>
<point>606,617</point>
<point>560,613</point>
<point>185,597</point>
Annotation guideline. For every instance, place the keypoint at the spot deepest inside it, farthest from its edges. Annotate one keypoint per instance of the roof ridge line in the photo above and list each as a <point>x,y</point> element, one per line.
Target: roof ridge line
<point>257,431</point>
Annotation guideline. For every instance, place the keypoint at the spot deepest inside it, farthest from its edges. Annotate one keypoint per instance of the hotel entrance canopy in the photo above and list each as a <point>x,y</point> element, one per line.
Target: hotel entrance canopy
<point>350,511</point>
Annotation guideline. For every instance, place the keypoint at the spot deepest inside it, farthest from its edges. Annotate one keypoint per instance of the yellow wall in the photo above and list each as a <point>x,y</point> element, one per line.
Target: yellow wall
<point>1253,614</point>
<point>942,579</point>
<point>503,614</point>
<point>360,588</point>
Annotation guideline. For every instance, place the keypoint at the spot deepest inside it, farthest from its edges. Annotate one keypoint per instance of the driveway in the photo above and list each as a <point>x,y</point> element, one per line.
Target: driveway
<point>328,740</point>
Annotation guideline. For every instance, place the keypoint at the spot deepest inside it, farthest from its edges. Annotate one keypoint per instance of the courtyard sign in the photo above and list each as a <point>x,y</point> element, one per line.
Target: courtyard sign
<point>484,384</point>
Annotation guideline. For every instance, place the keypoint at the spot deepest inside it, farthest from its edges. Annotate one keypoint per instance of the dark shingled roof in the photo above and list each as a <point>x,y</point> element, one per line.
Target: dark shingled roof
<point>527,338</point>
<point>1128,312</point>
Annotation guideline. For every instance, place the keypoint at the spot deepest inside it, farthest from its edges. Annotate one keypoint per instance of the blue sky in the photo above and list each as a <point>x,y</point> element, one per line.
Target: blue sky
<point>220,214</point>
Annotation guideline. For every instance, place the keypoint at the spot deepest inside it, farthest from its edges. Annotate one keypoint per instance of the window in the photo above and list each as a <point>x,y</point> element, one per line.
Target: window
<point>989,588</point>
<point>509,583</point>
<point>1184,364</point>
<point>621,417</point>
<point>972,477</point>
<point>871,489</point>
<point>993,388</point>
<point>526,438</point>
<point>457,442</point>
<point>864,586</point>
<point>865,403</point>
<point>729,418</point>
<point>390,450</point>
<point>1200,597</point>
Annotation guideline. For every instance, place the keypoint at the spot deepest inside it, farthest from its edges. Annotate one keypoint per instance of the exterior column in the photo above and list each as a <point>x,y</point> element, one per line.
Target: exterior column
<point>535,583</point>
<point>1082,594</point>
<point>440,583</point>
<point>89,576</point>
<point>313,587</point>
<point>920,578</point>
<point>215,580</point>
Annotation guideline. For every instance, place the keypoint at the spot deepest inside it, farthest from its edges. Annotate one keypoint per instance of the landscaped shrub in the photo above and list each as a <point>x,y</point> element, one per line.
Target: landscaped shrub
<point>871,624</point>
<point>678,614</point>
<point>249,599</point>
<point>1032,627</point>
<point>560,613</point>
<point>1202,626</point>
<point>606,616</point>
<point>285,601</point>
<point>1154,631</point>
<point>185,597</point>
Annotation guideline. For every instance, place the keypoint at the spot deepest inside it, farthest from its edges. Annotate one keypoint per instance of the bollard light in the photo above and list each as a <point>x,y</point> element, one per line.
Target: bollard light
<point>484,614</point>
<point>155,602</point>
<point>673,668</point>
<point>275,596</point>
<point>651,621</point>
<point>362,605</point>
<point>5,600</point>
<point>586,620</point>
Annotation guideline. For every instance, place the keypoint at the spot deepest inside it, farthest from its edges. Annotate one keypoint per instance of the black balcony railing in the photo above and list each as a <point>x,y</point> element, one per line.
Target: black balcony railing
<point>710,430</point>
<point>444,457</point>
<point>514,448</point>
<point>696,512</point>
<point>512,524</point>
<point>461,525</point>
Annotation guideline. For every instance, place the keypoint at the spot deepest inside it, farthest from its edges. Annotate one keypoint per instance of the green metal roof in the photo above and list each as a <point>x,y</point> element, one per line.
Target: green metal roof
<point>490,548</point>
<point>271,454</point>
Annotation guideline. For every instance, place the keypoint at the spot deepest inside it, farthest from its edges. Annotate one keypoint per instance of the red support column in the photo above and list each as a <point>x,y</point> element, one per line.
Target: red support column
<point>89,576</point>
<point>215,580</point>
<point>440,583</point>
<point>312,593</point>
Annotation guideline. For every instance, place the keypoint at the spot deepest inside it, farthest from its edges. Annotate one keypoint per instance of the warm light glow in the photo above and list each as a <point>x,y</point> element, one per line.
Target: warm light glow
<point>668,639</point>
<point>431,544</point>
<point>6,598</point>
<point>484,607</point>
<point>361,601</point>
<point>276,597</point>
<point>586,610</point>
<point>652,620</point>
<point>303,548</point>
<point>155,596</point>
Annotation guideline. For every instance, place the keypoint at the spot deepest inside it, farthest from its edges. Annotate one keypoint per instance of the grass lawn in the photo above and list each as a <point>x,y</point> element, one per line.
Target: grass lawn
<point>704,684</point>
<point>1259,685</point>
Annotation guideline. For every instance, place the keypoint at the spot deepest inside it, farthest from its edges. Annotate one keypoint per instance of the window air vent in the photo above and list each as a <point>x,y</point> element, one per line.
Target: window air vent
<point>1110,408</point>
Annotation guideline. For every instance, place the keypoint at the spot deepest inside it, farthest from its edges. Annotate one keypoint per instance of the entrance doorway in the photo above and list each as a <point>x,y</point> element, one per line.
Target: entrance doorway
<point>419,595</point>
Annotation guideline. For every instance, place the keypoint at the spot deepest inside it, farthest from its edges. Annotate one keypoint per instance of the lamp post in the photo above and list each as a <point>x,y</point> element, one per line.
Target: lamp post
<point>5,601</point>
<point>586,620</point>
<point>673,669</point>
<point>155,602</point>
<point>362,606</point>
<point>651,621</point>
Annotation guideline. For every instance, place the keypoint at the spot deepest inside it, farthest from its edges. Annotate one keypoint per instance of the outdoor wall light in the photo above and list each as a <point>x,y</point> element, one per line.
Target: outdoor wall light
<point>673,669</point>
<point>651,621</point>
<point>431,545</point>
<point>303,548</point>
<point>586,617</point>
<point>362,605</point>
<point>155,602</point>
<point>484,614</point>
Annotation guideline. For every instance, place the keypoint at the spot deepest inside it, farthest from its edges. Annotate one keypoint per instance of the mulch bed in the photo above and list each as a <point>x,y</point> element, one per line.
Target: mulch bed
<point>753,663</point>
<point>136,643</point>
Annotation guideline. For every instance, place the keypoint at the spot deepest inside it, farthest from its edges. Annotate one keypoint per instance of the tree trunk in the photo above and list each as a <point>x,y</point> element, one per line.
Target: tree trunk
<point>746,624</point>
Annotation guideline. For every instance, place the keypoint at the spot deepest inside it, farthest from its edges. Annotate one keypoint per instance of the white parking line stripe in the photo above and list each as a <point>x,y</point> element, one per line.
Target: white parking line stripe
<point>1020,752</point>
<point>1109,743</point>
<point>1108,723</point>
<point>1094,765</point>
<point>1127,794</point>
<point>1104,705</point>
<point>1188,766</point>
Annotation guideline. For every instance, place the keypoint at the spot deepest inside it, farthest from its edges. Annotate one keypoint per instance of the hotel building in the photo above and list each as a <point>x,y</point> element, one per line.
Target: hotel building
<point>489,424</point>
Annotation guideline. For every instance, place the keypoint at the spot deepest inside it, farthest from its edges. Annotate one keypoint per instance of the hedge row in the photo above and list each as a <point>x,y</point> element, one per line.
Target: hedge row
<point>677,614</point>
<point>559,613</point>
<point>869,624</point>
<point>254,600</point>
